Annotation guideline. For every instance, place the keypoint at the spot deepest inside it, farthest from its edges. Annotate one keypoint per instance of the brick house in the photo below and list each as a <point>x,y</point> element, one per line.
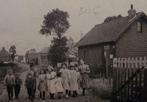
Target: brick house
<point>120,37</point>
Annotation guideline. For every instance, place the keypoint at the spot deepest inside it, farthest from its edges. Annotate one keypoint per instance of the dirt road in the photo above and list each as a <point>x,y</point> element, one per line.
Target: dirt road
<point>23,94</point>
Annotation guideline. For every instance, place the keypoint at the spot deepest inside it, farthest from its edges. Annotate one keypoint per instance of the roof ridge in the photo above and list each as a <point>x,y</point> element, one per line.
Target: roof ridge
<point>137,16</point>
<point>107,31</point>
<point>111,21</point>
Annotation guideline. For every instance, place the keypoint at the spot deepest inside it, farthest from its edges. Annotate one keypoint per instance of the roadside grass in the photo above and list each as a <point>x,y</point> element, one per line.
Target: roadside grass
<point>101,88</point>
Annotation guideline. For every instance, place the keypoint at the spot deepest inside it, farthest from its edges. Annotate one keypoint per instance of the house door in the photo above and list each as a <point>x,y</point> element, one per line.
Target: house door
<point>106,57</point>
<point>109,53</point>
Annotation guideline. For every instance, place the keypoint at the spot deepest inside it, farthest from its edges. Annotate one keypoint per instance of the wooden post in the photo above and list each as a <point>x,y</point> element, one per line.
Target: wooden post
<point>144,97</point>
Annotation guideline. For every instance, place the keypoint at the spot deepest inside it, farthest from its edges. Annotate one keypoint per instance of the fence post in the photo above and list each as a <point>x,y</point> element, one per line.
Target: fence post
<point>144,97</point>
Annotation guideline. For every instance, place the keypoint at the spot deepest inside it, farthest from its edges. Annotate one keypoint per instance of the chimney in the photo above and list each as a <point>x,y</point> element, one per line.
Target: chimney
<point>131,12</point>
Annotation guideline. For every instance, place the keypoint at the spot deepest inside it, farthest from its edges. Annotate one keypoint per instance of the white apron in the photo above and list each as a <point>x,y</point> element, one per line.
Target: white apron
<point>59,85</point>
<point>73,80</point>
<point>48,77</point>
<point>52,87</point>
<point>65,77</point>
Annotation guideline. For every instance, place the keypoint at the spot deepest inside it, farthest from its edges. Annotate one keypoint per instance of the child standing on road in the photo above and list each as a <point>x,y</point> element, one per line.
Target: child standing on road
<point>65,76</point>
<point>59,85</point>
<point>48,80</point>
<point>73,80</point>
<point>30,84</point>
<point>78,75</point>
<point>52,83</point>
<point>42,87</point>
<point>18,83</point>
<point>10,82</point>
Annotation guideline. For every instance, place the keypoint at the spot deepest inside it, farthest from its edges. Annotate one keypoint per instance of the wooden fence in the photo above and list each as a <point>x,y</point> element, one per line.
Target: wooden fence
<point>129,79</point>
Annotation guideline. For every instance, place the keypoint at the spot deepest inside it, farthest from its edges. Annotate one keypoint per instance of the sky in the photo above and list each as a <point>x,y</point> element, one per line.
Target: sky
<point>20,20</point>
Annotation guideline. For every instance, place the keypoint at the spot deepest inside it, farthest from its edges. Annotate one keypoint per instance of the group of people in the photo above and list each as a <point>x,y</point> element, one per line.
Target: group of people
<point>13,84</point>
<point>66,82</point>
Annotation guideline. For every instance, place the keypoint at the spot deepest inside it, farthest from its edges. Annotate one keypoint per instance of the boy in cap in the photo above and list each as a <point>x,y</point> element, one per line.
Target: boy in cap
<point>10,82</point>
<point>30,84</point>
<point>18,83</point>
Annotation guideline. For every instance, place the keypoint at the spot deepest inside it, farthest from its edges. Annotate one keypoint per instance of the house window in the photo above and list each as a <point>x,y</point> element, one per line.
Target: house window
<point>139,26</point>
<point>43,57</point>
<point>106,47</point>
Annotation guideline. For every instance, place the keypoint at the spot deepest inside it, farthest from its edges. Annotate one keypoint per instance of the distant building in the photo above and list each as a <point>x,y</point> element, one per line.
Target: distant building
<point>31,56</point>
<point>120,37</point>
<point>43,60</point>
<point>4,55</point>
<point>20,58</point>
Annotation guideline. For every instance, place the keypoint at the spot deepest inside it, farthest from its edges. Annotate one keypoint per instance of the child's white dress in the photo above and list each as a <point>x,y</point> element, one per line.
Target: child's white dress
<point>42,77</point>
<point>65,78</point>
<point>42,83</point>
<point>73,80</point>
<point>48,77</point>
<point>52,87</point>
<point>59,85</point>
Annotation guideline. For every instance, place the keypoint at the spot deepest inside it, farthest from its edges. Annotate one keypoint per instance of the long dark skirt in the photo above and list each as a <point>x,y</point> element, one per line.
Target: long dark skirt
<point>85,80</point>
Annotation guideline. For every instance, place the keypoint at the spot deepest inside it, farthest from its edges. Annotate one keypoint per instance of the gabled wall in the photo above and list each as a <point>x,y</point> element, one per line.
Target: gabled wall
<point>92,55</point>
<point>133,43</point>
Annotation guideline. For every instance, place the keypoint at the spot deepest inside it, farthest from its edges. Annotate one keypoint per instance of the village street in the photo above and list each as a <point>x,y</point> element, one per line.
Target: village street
<point>23,94</point>
<point>67,51</point>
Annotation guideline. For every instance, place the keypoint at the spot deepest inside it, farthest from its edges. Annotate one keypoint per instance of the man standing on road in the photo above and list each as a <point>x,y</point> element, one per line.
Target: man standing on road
<point>10,82</point>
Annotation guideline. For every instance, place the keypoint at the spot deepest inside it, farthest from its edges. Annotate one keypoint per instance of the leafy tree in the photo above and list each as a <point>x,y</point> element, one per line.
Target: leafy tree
<point>12,51</point>
<point>56,23</point>
<point>57,53</point>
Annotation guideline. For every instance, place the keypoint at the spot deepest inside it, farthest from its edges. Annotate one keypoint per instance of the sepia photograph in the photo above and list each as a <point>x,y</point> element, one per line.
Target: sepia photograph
<point>73,50</point>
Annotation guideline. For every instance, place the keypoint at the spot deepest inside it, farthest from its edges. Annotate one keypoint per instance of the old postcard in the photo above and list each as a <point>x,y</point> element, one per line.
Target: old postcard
<point>73,51</point>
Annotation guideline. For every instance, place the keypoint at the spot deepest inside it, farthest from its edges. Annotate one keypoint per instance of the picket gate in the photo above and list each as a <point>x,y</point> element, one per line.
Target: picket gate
<point>129,79</point>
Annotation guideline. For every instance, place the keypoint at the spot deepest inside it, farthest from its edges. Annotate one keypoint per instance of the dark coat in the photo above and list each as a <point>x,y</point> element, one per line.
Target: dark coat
<point>30,83</point>
<point>18,81</point>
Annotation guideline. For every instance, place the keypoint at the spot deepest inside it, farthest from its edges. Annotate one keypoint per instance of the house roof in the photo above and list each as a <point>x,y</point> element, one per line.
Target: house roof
<point>31,51</point>
<point>108,31</point>
<point>45,50</point>
<point>4,52</point>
